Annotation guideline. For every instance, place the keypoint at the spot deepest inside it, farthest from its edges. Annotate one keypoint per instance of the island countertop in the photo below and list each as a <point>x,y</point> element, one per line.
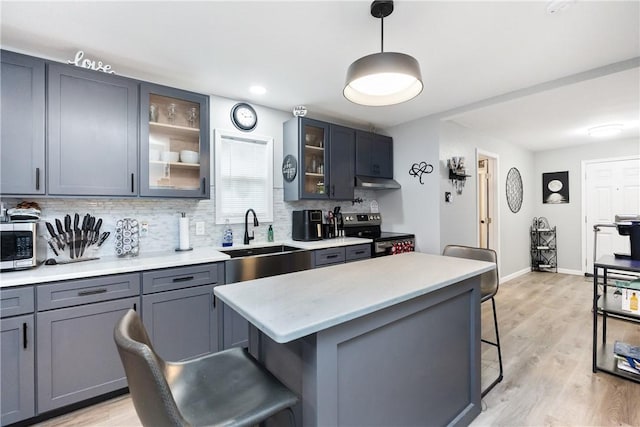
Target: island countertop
<point>291,306</point>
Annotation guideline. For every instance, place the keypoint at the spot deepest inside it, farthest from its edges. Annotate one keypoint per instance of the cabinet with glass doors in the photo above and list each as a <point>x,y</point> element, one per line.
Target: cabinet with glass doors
<point>174,143</point>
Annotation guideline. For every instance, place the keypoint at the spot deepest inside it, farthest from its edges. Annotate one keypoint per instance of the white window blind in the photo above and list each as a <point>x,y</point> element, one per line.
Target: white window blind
<point>244,176</point>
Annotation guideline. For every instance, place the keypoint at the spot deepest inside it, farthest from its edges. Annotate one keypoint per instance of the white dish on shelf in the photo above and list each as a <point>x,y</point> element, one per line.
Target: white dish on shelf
<point>169,156</point>
<point>188,156</point>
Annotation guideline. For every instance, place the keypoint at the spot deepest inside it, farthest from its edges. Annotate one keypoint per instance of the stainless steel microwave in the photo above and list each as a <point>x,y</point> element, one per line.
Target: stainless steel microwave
<point>20,246</point>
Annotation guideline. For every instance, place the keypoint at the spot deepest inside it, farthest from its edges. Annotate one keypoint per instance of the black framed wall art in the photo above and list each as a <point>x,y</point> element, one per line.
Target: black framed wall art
<point>555,187</point>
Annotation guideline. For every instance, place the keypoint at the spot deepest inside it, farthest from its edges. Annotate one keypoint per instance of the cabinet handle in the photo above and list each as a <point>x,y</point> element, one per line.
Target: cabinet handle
<point>92,292</point>
<point>182,279</point>
<point>332,256</point>
<point>204,185</point>
<point>24,335</point>
<point>37,178</point>
<point>132,183</point>
<point>359,252</point>
<point>214,299</point>
<point>135,307</point>
<point>333,190</point>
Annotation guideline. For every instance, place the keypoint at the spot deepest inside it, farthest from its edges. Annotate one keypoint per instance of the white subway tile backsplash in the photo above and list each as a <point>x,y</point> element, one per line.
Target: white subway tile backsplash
<point>162,216</point>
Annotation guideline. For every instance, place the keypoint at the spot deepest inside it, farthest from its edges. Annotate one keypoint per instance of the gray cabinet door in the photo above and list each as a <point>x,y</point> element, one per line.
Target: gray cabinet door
<point>22,164</point>
<point>77,358</point>
<point>374,155</point>
<point>235,331</point>
<point>17,369</point>
<point>181,324</point>
<point>341,163</point>
<point>92,131</point>
<point>329,256</point>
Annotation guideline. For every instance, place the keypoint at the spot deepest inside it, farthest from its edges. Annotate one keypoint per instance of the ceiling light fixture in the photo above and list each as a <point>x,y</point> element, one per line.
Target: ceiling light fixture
<point>384,78</point>
<point>257,90</point>
<point>605,130</point>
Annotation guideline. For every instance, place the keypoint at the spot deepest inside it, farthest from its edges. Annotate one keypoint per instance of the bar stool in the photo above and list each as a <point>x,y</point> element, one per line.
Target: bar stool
<point>488,289</point>
<point>227,388</point>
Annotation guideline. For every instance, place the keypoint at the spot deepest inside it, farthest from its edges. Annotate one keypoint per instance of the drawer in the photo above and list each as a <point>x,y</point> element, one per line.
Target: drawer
<point>14,301</point>
<point>169,279</point>
<point>86,291</point>
<point>358,252</point>
<point>329,256</point>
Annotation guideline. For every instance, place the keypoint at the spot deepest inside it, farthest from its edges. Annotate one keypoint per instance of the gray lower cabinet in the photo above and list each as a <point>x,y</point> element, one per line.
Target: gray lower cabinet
<point>22,164</point>
<point>17,354</point>
<point>235,329</point>
<point>92,132</point>
<point>179,310</point>
<point>183,323</point>
<point>76,356</point>
<point>357,252</point>
<point>329,256</point>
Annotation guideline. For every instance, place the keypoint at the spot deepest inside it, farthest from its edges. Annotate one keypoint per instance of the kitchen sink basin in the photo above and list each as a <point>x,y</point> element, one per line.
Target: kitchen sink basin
<point>264,250</point>
<point>266,261</point>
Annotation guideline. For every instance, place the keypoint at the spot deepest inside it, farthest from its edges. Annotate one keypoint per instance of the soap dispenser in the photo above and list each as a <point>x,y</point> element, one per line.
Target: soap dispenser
<point>270,234</point>
<point>227,237</point>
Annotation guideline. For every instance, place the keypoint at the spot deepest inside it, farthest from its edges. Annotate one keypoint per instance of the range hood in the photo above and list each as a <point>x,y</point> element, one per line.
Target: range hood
<point>373,183</point>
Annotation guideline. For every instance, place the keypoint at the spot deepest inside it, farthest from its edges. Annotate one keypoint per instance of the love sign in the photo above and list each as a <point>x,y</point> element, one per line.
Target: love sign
<point>78,61</point>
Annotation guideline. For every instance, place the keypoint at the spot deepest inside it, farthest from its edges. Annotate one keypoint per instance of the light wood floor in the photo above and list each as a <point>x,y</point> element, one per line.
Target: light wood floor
<point>545,330</point>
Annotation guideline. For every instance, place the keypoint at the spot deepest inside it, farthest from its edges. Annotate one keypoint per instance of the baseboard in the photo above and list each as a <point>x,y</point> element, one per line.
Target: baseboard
<point>514,275</point>
<point>569,271</point>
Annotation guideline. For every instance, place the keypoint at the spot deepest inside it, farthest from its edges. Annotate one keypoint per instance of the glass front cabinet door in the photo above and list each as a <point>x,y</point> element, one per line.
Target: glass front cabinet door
<point>313,143</point>
<point>174,143</point>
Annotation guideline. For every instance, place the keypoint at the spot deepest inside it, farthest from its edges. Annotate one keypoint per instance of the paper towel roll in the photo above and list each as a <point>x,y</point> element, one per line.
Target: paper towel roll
<point>184,233</point>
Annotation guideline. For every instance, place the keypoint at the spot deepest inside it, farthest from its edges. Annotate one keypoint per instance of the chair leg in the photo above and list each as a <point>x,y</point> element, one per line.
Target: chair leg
<point>292,418</point>
<point>496,344</point>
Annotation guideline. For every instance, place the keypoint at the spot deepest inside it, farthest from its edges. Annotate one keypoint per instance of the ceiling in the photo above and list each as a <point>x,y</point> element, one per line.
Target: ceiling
<point>300,51</point>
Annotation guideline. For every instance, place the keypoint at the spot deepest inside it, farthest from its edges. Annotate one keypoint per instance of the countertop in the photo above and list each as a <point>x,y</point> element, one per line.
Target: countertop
<point>294,305</point>
<point>148,261</point>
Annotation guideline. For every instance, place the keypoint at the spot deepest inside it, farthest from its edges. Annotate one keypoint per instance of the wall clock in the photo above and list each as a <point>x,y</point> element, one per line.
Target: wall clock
<point>514,190</point>
<point>244,117</point>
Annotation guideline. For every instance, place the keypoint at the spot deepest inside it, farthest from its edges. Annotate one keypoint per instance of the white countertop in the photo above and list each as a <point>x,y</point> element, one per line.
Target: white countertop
<point>294,305</point>
<point>148,261</point>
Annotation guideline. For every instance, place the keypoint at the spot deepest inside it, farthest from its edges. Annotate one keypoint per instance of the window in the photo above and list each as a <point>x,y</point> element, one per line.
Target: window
<point>243,176</point>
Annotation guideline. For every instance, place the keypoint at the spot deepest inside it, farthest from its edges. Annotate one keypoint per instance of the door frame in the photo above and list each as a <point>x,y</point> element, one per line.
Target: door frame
<point>583,177</point>
<point>494,204</point>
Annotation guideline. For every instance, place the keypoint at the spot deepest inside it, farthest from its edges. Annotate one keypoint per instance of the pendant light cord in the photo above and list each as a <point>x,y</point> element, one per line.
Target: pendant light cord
<point>382,34</point>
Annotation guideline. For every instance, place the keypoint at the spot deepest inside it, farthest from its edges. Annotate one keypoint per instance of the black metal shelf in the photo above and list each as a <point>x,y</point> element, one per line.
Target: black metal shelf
<point>544,254</point>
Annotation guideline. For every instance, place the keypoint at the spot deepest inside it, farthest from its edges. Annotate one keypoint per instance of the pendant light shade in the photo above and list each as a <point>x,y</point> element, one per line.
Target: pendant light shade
<point>384,78</point>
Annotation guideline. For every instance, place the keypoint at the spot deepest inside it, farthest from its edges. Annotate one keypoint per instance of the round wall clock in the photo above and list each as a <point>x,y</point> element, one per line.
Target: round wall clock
<point>244,117</point>
<point>514,190</point>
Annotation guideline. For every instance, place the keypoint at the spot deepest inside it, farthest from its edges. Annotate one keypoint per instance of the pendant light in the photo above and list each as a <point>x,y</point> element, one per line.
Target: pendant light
<point>384,78</point>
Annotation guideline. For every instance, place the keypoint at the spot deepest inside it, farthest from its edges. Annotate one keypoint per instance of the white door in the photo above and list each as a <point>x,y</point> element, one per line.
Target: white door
<point>483,202</point>
<point>611,188</point>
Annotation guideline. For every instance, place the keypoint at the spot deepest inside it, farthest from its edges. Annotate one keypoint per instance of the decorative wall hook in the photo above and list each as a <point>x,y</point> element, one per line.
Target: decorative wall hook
<point>457,173</point>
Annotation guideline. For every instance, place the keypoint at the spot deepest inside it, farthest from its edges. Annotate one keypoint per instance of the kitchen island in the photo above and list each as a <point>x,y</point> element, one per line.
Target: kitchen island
<point>386,341</point>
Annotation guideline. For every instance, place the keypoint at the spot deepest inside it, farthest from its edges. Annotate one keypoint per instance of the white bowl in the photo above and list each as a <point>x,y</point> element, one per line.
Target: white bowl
<point>187,156</point>
<point>169,156</point>
<point>154,155</point>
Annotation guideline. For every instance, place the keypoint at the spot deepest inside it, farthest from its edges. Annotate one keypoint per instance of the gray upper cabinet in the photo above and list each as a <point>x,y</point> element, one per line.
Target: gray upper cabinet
<point>22,110</point>
<point>342,141</point>
<point>174,143</point>
<point>374,155</point>
<point>92,132</point>
<point>324,160</point>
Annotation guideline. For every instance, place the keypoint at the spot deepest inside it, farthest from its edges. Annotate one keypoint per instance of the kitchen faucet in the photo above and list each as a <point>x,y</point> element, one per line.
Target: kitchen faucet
<point>246,226</point>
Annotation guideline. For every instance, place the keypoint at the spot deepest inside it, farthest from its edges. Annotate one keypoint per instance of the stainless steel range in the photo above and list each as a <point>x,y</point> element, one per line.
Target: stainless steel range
<point>367,225</point>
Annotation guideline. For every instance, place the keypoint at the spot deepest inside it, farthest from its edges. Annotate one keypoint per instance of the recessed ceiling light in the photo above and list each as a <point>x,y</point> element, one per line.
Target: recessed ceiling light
<point>605,130</point>
<point>257,90</point>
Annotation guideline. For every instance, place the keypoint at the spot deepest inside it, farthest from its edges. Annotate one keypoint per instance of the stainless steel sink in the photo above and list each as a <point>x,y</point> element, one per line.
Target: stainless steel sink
<point>265,261</point>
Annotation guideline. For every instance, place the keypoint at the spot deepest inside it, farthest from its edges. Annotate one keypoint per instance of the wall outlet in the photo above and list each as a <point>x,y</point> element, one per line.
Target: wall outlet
<point>200,228</point>
<point>144,228</point>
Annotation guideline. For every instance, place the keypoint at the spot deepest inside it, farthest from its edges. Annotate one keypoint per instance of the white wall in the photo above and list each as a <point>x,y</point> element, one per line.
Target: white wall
<point>458,220</point>
<point>568,217</point>
<point>414,208</point>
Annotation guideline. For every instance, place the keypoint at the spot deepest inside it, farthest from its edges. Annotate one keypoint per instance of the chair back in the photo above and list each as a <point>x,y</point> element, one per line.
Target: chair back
<point>489,280</point>
<point>148,386</point>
